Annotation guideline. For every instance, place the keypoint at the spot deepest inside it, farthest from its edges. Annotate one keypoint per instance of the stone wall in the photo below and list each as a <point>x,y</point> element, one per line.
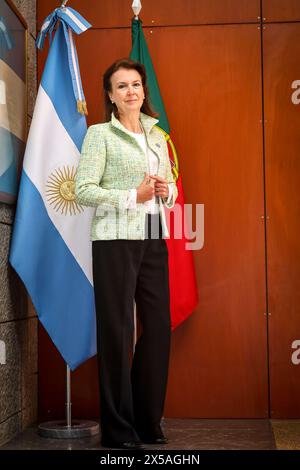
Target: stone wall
<point>18,321</point>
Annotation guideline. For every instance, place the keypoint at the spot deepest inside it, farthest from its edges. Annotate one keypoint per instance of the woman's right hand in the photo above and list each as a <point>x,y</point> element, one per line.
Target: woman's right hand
<point>145,190</point>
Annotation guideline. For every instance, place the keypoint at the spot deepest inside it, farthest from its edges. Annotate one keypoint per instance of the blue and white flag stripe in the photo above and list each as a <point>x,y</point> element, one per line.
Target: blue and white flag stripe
<point>71,20</point>
<point>74,20</point>
<point>69,16</point>
<point>60,292</point>
<point>73,61</point>
<point>51,248</point>
<point>58,83</point>
<point>60,154</point>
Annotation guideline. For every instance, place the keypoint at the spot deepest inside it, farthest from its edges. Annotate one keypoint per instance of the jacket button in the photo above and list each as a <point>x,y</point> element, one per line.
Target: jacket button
<point>138,227</point>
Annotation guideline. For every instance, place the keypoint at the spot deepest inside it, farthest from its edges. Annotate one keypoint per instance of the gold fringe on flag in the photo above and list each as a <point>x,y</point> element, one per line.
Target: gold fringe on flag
<point>81,107</point>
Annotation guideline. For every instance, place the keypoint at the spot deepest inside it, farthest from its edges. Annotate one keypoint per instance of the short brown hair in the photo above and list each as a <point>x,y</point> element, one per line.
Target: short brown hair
<point>125,63</point>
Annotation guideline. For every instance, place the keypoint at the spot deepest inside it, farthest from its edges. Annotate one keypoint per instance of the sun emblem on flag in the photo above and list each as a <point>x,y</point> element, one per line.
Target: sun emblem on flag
<point>60,191</point>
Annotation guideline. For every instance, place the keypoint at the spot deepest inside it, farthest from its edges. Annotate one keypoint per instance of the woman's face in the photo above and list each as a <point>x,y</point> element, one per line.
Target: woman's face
<point>127,90</point>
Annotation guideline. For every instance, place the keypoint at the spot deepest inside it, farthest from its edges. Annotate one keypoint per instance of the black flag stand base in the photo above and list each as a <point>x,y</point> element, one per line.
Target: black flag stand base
<point>68,429</point>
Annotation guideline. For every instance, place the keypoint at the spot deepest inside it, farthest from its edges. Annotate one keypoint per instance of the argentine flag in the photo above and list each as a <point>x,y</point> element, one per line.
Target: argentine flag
<point>51,248</point>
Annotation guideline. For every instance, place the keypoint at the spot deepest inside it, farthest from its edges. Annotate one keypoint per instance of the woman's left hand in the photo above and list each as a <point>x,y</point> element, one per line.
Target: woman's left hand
<point>161,187</point>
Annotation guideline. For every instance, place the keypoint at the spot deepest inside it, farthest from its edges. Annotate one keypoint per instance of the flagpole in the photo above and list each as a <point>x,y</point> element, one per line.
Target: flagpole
<point>136,7</point>
<point>68,402</point>
<point>66,429</point>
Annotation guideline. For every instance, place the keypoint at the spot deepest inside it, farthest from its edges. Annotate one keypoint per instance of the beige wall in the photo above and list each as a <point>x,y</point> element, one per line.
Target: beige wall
<point>18,323</point>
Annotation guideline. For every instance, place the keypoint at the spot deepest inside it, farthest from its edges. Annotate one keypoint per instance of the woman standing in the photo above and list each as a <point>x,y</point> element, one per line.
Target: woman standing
<point>124,172</point>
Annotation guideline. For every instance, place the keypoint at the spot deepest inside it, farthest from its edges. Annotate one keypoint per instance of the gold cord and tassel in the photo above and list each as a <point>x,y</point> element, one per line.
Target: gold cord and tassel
<point>81,107</point>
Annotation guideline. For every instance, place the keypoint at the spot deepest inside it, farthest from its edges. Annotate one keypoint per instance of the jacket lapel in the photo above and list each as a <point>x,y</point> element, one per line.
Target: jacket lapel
<point>147,122</point>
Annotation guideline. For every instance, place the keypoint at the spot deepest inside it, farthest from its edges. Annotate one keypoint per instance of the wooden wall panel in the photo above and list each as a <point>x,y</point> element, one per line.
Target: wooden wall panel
<point>118,13</point>
<point>281,10</point>
<point>212,87</point>
<point>282,130</point>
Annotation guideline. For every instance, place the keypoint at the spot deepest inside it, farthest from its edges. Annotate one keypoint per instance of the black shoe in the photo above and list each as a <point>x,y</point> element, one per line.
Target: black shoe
<point>131,445</point>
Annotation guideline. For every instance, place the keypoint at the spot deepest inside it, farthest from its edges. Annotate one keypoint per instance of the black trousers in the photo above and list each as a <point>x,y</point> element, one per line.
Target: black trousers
<point>132,389</point>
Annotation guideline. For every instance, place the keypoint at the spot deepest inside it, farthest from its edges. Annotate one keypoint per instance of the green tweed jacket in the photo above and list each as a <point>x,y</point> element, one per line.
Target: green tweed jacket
<point>111,163</point>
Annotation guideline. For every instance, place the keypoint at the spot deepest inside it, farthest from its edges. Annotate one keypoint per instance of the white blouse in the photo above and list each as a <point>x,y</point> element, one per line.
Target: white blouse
<point>152,206</point>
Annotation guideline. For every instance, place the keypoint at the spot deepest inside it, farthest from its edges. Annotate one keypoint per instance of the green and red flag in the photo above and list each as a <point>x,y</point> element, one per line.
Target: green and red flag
<point>183,286</point>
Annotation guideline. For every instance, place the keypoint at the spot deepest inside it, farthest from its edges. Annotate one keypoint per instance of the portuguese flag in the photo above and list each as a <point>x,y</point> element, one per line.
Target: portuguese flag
<point>183,287</point>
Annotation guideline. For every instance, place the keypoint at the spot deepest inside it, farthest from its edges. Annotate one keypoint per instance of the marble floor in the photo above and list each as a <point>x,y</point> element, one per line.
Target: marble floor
<point>183,434</point>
